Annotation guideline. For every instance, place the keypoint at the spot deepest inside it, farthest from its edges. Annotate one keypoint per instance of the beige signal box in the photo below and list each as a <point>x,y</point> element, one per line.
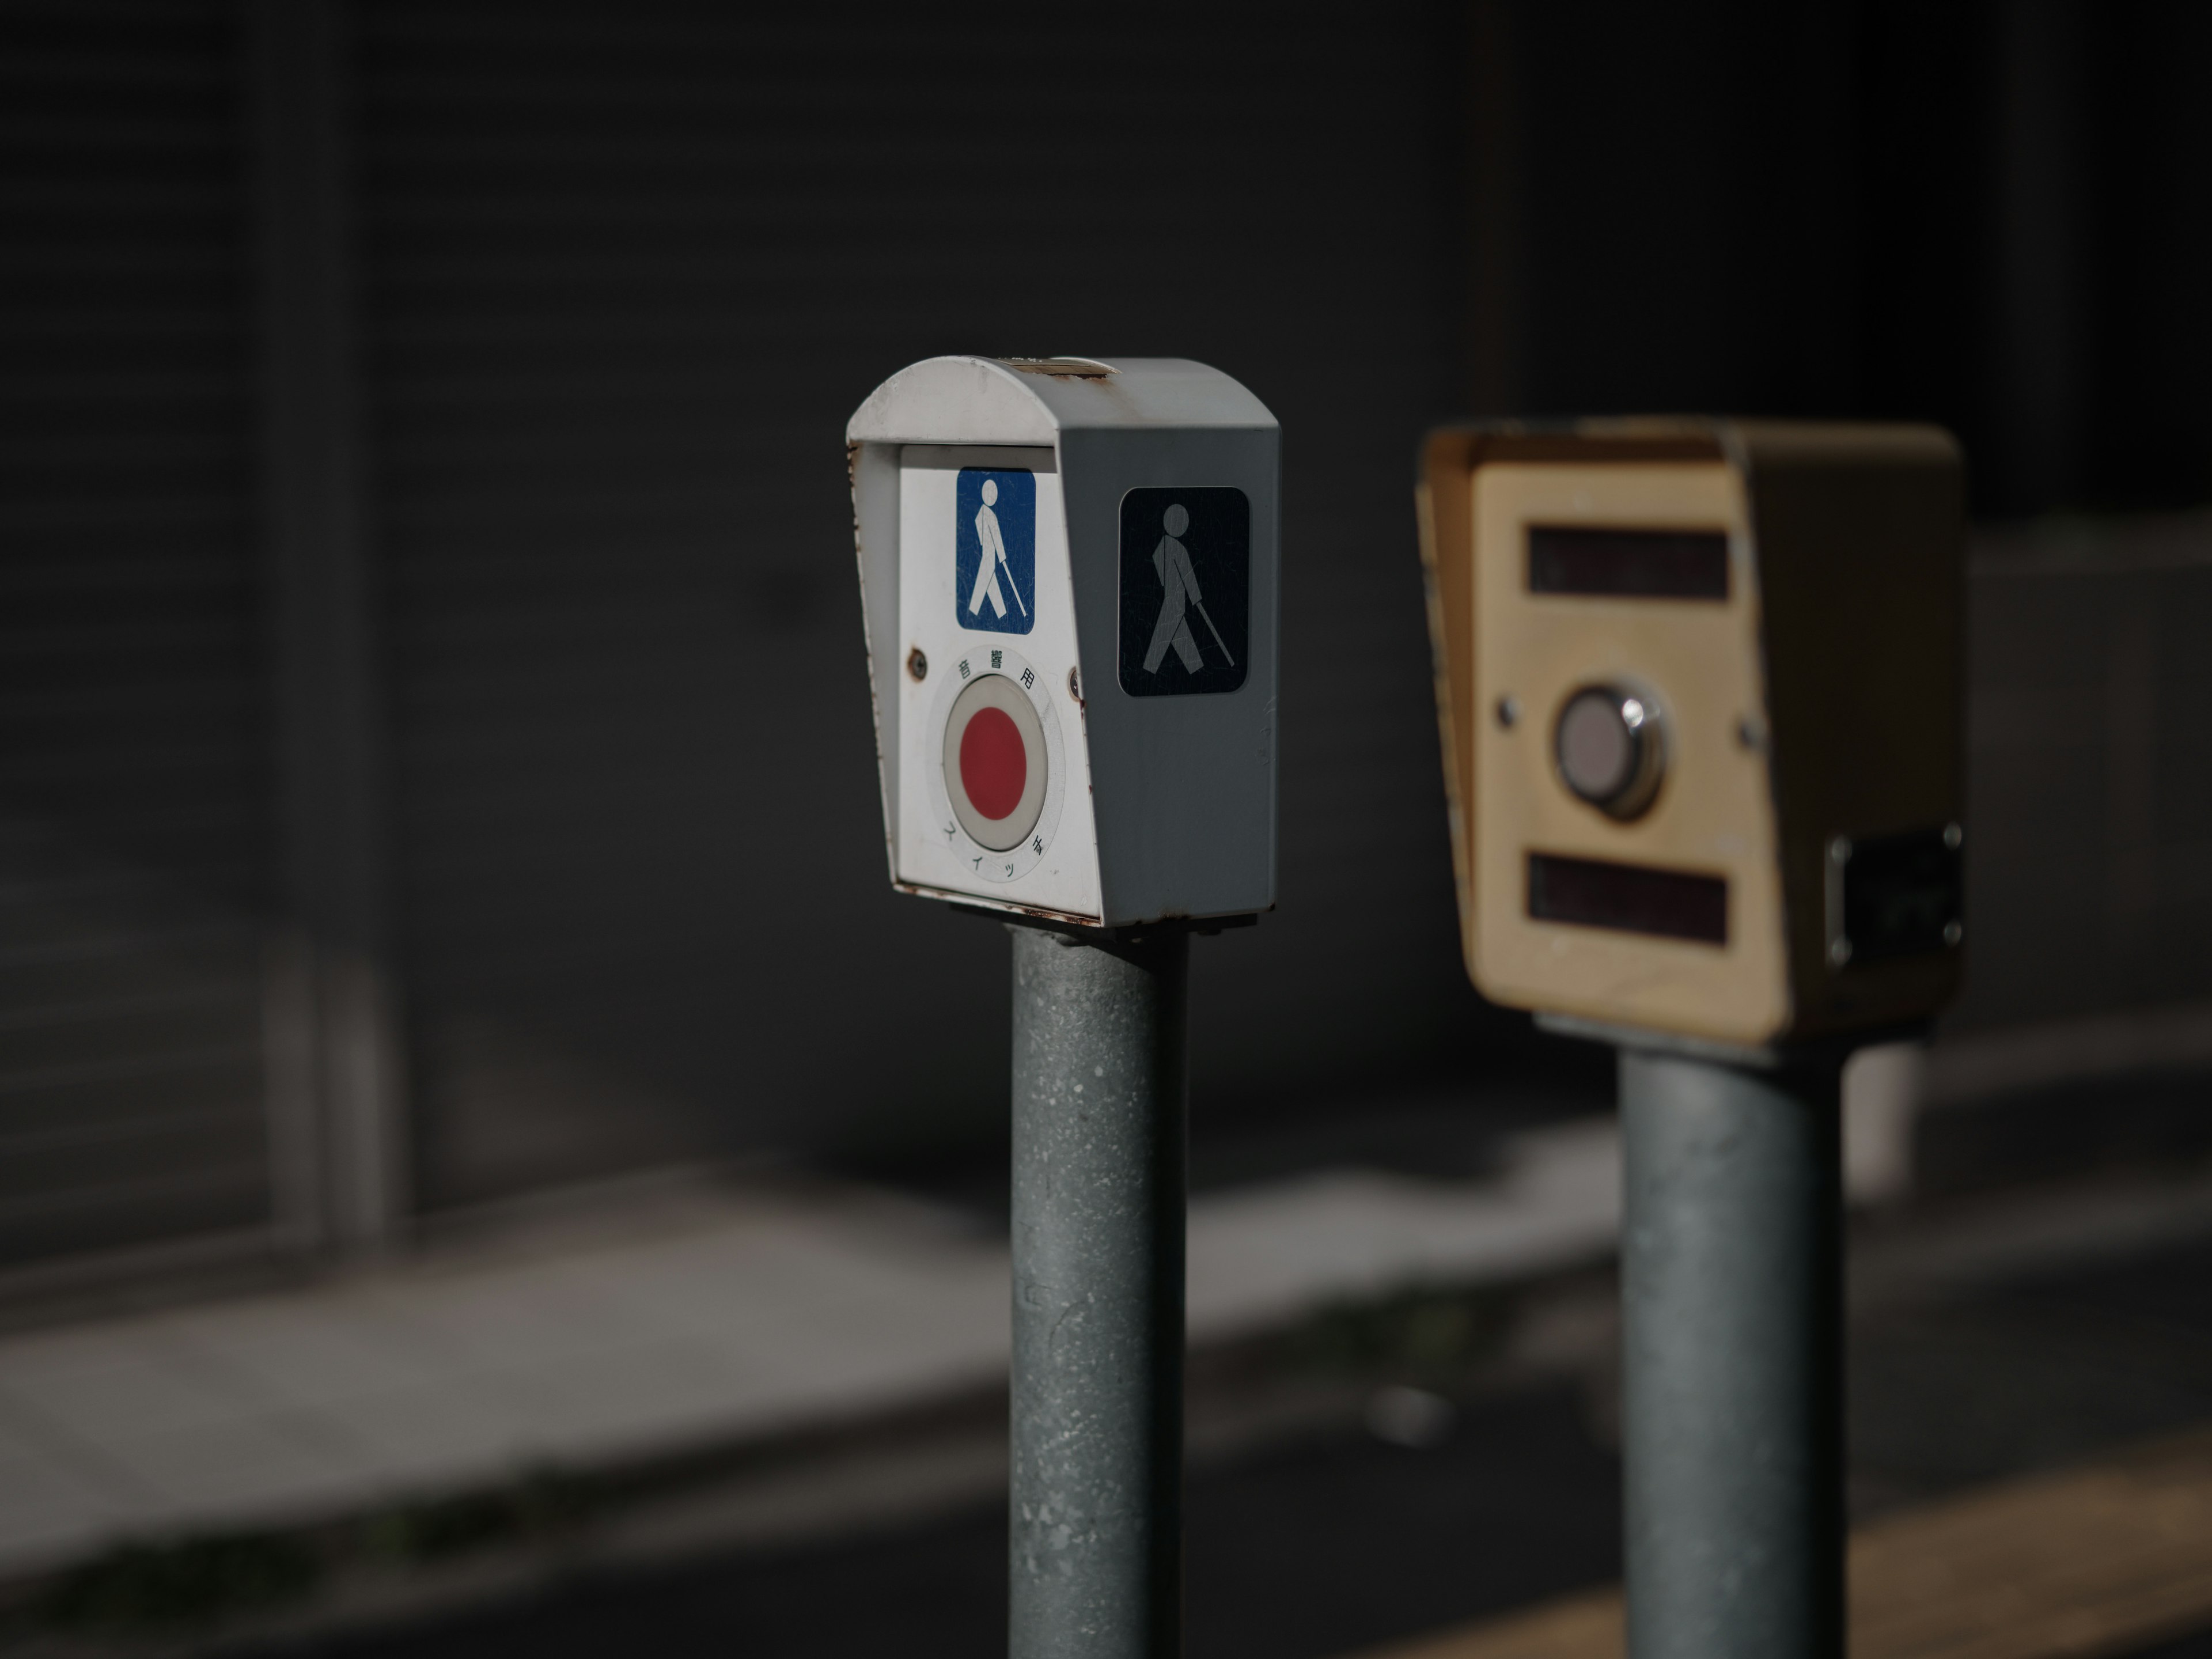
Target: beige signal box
<point>1700,685</point>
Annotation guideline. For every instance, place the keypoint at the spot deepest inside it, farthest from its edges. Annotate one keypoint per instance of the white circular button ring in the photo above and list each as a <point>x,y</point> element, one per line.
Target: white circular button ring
<point>1005,691</point>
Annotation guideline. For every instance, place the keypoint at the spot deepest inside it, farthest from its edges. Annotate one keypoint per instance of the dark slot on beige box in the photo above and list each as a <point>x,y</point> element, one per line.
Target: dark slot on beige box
<point>1628,564</point>
<point>1629,898</point>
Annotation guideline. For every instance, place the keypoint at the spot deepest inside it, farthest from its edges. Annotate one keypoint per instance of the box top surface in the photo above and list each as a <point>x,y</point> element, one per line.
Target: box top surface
<point>1744,443</point>
<point>993,400</point>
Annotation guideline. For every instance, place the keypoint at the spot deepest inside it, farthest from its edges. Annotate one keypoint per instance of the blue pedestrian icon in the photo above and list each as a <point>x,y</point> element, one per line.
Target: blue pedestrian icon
<point>994,551</point>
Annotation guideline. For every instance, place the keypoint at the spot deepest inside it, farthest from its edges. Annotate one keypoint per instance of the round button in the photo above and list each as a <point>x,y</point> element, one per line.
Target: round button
<point>995,763</point>
<point>1609,749</point>
<point>993,770</point>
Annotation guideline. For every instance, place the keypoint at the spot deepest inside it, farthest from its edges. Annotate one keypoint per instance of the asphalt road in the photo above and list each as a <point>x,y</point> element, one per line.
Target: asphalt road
<point>1338,1540</point>
<point>1307,1551</point>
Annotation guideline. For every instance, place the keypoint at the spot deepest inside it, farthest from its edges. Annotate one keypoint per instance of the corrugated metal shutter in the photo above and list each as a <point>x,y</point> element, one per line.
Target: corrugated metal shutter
<point>630,268</point>
<point>2089,803</point>
<point>132,831</point>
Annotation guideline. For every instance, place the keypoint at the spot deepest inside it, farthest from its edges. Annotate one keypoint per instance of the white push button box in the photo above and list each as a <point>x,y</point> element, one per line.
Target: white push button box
<point>1699,683</point>
<point>1068,570</point>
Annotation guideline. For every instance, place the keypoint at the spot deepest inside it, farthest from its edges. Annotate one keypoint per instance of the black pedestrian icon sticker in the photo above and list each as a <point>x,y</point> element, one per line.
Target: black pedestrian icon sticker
<point>1186,590</point>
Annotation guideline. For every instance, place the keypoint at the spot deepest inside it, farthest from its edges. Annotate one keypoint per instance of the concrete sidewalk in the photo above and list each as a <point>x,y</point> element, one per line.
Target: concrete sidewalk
<point>714,1317</point>
<point>697,1318</point>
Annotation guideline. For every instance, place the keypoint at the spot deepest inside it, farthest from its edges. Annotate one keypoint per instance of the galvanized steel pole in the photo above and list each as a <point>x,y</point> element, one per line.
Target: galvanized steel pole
<point>1099,1094</point>
<point>1732,1358</point>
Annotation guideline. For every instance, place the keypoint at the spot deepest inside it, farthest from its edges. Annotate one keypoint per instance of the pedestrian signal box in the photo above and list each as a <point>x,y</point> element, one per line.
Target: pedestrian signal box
<point>1068,574</point>
<point>1700,689</point>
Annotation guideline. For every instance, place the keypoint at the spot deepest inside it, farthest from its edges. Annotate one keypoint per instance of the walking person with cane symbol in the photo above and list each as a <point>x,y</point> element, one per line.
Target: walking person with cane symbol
<point>1179,592</point>
<point>994,547</point>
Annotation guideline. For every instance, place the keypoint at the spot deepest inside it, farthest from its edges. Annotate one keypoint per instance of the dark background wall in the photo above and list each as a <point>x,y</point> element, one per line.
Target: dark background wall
<point>420,507</point>
<point>1984,215</point>
<point>134,771</point>
<point>628,273</point>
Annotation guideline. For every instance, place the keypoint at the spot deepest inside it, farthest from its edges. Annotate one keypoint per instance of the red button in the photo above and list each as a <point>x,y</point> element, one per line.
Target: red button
<point>994,770</point>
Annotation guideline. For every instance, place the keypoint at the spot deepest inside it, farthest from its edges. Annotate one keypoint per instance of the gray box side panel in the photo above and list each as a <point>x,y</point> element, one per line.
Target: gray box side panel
<point>876,533</point>
<point>1183,787</point>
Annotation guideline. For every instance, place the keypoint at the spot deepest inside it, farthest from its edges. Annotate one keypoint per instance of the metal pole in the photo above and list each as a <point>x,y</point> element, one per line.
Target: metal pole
<point>1098,1118</point>
<point>1733,1345</point>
